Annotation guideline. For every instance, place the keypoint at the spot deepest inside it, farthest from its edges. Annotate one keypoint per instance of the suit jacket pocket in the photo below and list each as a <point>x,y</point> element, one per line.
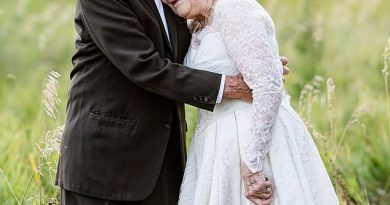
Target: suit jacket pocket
<point>103,125</point>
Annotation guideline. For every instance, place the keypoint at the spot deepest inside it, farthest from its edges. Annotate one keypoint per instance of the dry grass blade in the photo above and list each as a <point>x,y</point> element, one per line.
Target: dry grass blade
<point>385,72</point>
<point>9,186</point>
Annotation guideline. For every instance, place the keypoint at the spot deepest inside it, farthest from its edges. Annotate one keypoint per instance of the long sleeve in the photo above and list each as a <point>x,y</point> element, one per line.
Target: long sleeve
<point>118,33</point>
<point>249,36</point>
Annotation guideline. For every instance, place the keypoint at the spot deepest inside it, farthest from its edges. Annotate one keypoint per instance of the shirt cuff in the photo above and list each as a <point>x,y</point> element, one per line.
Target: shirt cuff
<point>221,89</point>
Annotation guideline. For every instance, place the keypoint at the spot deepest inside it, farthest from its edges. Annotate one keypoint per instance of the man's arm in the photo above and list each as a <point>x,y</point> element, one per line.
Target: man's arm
<point>235,86</point>
<point>115,29</point>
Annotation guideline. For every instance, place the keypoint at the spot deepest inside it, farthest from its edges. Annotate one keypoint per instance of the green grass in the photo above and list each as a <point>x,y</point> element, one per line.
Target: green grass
<point>339,40</point>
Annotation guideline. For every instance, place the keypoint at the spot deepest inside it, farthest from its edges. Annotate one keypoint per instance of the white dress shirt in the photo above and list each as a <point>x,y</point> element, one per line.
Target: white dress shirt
<point>160,8</point>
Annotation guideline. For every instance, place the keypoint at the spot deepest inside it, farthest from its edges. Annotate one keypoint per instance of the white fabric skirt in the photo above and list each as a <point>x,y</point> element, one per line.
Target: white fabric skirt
<point>212,175</point>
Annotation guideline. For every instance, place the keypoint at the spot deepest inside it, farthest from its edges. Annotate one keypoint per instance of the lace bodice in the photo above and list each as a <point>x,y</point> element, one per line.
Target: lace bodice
<point>241,38</point>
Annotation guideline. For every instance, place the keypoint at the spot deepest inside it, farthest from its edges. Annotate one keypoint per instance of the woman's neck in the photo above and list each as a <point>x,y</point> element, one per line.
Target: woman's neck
<point>206,12</point>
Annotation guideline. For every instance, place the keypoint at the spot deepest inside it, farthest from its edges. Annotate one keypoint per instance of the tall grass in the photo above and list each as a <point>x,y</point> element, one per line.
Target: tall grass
<point>346,114</point>
<point>339,84</point>
<point>43,158</point>
<point>35,38</point>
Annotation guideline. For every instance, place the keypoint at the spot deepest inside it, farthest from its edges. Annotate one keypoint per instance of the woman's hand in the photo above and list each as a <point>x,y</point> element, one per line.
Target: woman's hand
<point>258,189</point>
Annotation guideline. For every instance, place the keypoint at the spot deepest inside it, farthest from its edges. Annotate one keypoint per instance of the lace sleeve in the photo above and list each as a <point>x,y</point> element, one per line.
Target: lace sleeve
<point>249,36</point>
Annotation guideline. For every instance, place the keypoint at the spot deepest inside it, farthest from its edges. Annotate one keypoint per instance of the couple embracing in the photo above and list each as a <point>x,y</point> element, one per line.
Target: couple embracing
<point>137,63</point>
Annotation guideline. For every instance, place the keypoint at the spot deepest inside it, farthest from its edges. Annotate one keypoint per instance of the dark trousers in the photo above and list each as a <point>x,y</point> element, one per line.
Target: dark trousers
<point>167,188</point>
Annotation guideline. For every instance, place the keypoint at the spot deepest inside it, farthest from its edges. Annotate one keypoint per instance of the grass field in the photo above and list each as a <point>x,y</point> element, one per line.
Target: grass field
<point>339,85</point>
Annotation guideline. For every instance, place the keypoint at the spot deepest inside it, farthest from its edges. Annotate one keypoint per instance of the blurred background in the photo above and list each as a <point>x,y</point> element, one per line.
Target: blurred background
<point>338,51</point>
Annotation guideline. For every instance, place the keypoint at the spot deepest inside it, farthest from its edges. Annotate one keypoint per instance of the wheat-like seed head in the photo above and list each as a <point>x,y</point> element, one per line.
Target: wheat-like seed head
<point>331,87</point>
<point>51,100</point>
<point>310,92</point>
<point>51,141</point>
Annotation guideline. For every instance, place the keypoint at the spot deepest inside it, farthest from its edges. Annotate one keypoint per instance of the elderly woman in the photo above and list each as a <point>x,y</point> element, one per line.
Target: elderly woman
<point>242,144</point>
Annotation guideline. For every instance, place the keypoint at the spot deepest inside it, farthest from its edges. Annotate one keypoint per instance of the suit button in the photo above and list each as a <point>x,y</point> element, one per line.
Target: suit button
<point>201,98</point>
<point>195,98</point>
<point>167,126</point>
<point>206,99</point>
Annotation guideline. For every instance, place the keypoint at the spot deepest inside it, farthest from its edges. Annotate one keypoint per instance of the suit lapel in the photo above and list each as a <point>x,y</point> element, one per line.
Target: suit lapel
<point>172,28</point>
<point>172,23</point>
<point>153,6</point>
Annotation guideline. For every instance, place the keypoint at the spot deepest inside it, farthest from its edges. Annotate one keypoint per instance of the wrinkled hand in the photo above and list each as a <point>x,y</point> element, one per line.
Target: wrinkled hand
<point>236,88</point>
<point>258,189</point>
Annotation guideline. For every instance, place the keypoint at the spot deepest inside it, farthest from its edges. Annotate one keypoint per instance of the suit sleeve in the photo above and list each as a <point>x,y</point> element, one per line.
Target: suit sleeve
<point>116,31</point>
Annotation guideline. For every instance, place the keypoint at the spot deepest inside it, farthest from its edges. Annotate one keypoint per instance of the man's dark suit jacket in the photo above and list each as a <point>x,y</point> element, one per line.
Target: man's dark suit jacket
<point>124,91</point>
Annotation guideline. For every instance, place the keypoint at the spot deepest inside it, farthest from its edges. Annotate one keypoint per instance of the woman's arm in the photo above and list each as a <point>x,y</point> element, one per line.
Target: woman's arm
<point>245,31</point>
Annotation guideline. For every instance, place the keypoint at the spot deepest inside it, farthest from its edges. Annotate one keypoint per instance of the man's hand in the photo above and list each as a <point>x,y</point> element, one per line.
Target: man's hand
<point>286,70</point>
<point>258,189</point>
<point>236,88</point>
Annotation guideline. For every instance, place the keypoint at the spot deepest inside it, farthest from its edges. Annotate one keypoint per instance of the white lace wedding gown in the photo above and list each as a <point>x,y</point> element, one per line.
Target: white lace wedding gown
<point>266,135</point>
